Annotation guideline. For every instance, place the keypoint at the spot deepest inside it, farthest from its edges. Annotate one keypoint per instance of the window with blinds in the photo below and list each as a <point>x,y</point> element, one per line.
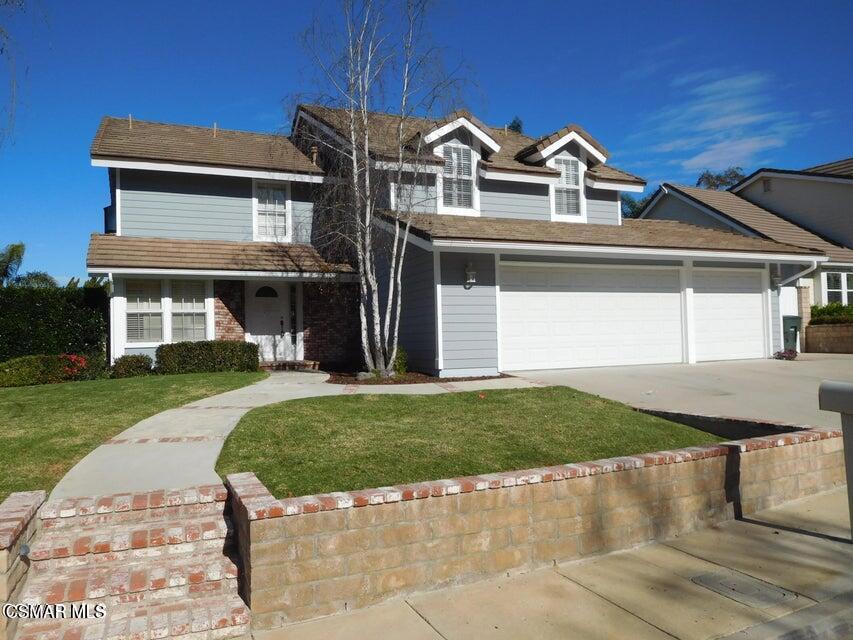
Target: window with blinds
<point>272,212</point>
<point>144,311</point>
<point>188,314</point>
<point>567,194</point>
<point>457,180</point>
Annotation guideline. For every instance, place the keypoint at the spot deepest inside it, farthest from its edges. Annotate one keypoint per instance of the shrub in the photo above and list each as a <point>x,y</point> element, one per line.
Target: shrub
<point>401,361</point>
<point>207,357</point>
<point>832,313</point>
<point>787,354</point>
<point>49,369</point>
<point>52,321</point>
<point>132,366</point>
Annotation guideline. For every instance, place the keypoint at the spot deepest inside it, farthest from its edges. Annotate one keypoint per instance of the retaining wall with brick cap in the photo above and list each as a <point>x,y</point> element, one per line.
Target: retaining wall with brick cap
<point>18,525</point>
<point>318,555</point>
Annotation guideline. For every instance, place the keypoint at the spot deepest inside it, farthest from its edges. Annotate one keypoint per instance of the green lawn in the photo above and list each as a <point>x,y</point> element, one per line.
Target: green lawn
<point>45,430</point>
<point>363,441</point>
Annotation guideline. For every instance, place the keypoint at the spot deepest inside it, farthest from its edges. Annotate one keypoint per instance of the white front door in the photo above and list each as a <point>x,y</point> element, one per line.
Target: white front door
<point>559,317</point>
<point>269,319</point>
<point>730,314</point>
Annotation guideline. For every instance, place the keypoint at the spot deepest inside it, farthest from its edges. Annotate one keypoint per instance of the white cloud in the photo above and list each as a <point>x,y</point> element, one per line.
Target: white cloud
<point>734,152</point>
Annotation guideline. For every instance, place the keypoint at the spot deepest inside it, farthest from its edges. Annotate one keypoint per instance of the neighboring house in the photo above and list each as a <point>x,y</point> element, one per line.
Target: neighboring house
<point>810,208</point>
<point>518,256</point>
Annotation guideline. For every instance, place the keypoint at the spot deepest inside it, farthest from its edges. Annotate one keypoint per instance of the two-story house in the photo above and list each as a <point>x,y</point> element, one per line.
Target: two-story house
<point>518,256</point>
<point>809,208</point>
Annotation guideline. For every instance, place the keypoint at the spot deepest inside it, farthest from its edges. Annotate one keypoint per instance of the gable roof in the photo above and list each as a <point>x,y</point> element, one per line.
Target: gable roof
<point>760,220</point>
<point>110,251</point>
<point>155,141</point>
<point>539,145</point>
<point>648,234</point>
<point>383,128</point>
<point>838,168</point>
<point>606,173</point>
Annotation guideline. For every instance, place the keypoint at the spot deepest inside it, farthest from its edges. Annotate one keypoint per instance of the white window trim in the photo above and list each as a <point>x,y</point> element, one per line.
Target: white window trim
<point>118,315</point>
<point>552,190</point>
<point>846,298</point>
<point>463,122</point>
<point>288,203</point>
<point>474,211</point>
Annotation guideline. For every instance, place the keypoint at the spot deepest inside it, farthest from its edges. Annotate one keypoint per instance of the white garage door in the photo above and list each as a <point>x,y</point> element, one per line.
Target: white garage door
<point>729,313</point>
<point>560,317</point>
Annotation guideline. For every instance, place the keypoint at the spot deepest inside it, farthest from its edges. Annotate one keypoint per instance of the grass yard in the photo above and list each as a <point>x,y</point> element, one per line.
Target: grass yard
<point>45,430</point>
<point>363,441</point>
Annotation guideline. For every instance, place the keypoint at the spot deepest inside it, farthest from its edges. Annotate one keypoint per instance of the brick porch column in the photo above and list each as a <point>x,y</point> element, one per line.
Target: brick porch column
<point>229,309</point>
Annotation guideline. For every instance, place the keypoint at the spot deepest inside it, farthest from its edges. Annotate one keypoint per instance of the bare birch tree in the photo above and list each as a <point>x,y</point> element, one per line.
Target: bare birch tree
<point>381,62</point>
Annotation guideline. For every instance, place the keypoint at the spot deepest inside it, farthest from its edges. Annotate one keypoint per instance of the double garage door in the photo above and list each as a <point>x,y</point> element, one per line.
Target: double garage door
<point>559,317</point>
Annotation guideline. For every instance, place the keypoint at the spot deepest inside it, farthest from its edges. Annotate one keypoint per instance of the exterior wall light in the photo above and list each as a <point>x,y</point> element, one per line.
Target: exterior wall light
<point>470,273</point>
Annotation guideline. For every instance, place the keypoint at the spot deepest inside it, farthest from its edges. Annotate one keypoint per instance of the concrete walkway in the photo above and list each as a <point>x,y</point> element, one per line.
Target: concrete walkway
<point>783,571</point>
<point>179,447</point>
<point>774,390</point>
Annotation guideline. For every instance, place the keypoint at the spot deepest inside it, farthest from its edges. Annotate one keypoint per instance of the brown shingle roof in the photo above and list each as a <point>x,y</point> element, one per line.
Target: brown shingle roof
<point>383,130</point>
<point>143,140</point>
<point>607,173</point>
<point>551,138</point>
<point>837,168</point>
<point>106,251</point>
<point>762,221</point>
<point>657,234</point>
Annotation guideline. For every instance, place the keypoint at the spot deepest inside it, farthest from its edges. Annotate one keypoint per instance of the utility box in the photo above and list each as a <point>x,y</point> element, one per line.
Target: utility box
<point>791,327</point>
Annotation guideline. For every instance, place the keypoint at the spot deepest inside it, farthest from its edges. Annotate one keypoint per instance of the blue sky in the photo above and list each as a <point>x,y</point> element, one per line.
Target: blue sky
<point>670,88</point>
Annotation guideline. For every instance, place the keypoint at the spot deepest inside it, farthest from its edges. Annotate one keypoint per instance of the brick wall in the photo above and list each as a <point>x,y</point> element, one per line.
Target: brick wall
<point>18,524</point>
<point>318,555</point>
<point>331,325</point>
<point>229,309</point>
<point>829,338</point>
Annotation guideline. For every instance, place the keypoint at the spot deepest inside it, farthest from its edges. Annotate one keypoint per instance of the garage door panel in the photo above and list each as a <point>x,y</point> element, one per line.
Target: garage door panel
<point>729,313</point>
<point>555,317</point>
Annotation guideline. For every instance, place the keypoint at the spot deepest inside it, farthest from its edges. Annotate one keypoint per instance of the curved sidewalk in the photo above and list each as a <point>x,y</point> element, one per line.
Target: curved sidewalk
<point>179,447</point>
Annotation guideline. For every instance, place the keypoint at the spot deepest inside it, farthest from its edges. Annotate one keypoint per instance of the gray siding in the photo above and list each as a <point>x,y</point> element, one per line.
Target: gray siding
<point>180,205</point>
<point>417,315</point>
<point>418,198</point>
<point>469,316</point>
<point>602,206</point>
<point>671,208</point>
<point>499,199</point>
<point>302,205</point>
<point>141,351</point>
<point>775,321</point>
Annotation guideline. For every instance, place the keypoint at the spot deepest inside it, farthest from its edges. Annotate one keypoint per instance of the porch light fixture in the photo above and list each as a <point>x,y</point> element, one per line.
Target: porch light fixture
<point>470,273</point>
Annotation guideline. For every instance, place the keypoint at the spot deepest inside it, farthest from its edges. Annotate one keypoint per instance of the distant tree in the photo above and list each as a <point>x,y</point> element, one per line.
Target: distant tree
<point>11,258</point>
<point>36,280</point>
<point>721,180</point>
<point>516,125</point>
<point>7,108</point>
<point>632,206</point>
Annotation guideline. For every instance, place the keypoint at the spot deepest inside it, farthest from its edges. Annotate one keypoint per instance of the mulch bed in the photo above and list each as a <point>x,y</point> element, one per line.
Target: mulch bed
<point>412,377</point>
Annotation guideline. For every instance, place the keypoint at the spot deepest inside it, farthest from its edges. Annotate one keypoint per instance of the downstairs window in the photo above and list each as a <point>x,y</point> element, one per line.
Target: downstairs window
<point>188,312</point>
<point>144,311</point>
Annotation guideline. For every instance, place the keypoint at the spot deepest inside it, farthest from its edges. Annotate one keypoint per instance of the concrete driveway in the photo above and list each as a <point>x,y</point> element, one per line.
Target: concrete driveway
<point>772,390</point>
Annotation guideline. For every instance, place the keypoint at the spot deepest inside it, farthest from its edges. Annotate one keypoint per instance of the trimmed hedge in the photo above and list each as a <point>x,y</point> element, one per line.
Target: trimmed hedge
<point>832,313</point>
<point>52,321</point>
<point>132,366</point>
<point>207,357</point>
<point>50,369</point>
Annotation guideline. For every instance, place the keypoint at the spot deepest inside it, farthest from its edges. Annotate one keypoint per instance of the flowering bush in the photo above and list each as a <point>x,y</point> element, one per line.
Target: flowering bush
<point>50,369</point>
<point>73,365</point>
<point>787,354</point>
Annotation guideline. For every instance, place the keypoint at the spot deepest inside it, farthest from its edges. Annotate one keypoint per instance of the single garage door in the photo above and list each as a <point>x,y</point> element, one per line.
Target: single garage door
<point>561,317</point>
<point>729,313</point>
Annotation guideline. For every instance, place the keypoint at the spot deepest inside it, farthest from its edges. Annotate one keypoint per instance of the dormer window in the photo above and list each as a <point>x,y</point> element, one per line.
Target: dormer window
<point>272,215</point>
<point>458,177</point>
<point>567,193</point>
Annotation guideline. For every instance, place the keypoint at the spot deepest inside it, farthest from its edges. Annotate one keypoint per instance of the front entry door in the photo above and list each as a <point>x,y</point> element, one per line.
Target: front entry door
<point>268,320</point>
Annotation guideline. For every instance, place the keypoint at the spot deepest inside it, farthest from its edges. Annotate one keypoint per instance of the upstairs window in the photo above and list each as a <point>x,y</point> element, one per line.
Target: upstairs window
<point>144,311</point>
<point>567,193</point>
<point>839,287</point>
<point>458,177</point>
<point>188,313</point>
<point>272,212</point>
